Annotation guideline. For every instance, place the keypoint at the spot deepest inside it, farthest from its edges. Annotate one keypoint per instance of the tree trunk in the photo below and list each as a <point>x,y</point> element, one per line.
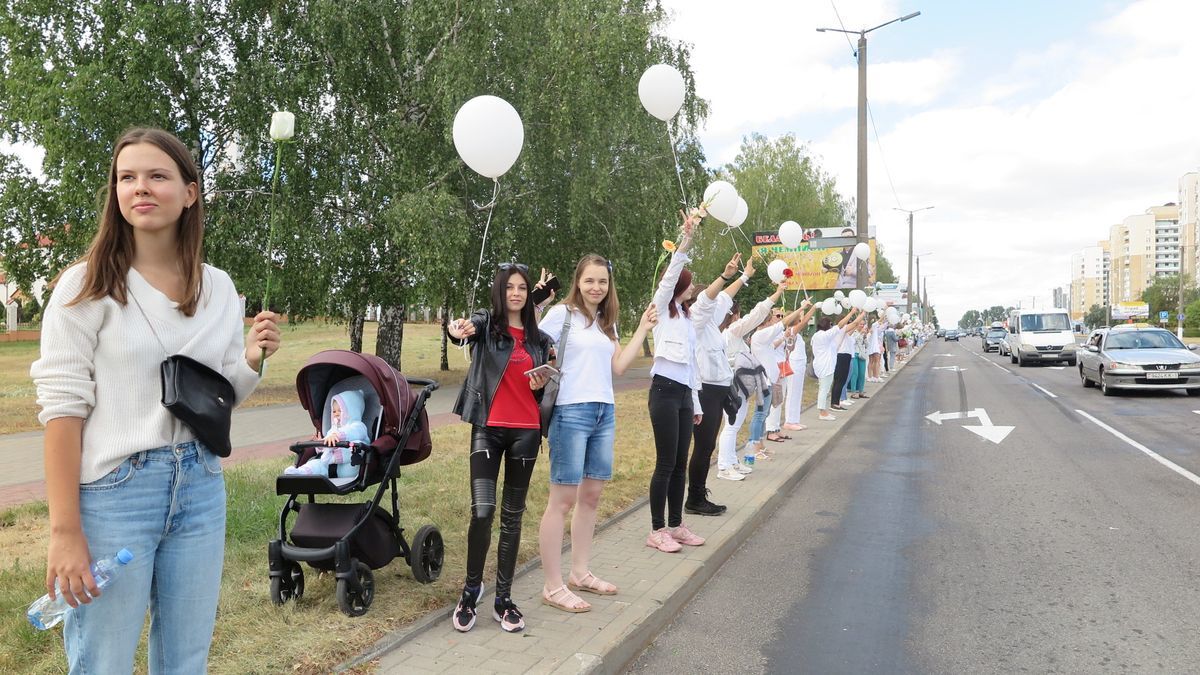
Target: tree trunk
<point>646,347</point>
<point>356,332</point>
<point>390,340</point>
<point>445,342</point>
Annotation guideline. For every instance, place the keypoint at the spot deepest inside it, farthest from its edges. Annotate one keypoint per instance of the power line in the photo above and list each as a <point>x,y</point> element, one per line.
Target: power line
<point>882,158</point>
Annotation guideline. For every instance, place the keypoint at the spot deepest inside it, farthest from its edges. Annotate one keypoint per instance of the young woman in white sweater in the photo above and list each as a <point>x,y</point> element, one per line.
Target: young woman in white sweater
<point>121,471</point>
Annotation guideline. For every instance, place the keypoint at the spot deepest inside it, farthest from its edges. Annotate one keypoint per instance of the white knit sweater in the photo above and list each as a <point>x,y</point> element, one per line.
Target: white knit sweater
<point>100,361</point>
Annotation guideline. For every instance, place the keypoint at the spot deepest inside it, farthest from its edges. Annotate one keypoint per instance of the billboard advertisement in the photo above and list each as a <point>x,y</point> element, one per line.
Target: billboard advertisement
<point>1123,311</point>
<point>814,269</point>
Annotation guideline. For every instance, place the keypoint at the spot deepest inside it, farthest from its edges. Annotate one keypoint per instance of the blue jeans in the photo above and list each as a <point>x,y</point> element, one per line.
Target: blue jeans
<point>858,374</point>
<point>581,442</point>
<point>758,423</point>
<point>167,506</point>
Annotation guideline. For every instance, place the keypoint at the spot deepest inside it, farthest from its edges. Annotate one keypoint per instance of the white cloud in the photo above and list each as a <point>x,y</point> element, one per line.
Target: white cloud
<point>1027,162</point>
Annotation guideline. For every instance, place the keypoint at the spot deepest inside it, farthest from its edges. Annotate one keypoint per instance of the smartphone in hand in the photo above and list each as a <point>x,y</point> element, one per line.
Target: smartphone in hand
<point>538,295</point>
<point>544,370</point>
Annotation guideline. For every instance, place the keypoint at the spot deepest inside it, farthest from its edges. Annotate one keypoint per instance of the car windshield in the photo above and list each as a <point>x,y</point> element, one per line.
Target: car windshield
<point>995,333</point>
<point>1143,339</point>
<point>1036,322</point>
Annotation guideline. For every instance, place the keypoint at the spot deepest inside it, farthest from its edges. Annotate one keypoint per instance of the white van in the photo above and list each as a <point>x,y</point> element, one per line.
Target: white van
<point>1040,335</point>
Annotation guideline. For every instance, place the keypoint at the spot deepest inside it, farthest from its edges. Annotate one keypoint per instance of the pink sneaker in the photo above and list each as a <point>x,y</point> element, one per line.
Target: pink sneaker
<point>685,536</point>
<point>663,541</point>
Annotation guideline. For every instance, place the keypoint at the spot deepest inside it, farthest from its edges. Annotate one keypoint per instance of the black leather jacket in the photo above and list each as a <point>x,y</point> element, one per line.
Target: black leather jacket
<point>489,359</point>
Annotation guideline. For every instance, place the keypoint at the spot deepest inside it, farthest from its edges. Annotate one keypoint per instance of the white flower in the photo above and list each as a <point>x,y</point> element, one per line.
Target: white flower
<point>283,126</point>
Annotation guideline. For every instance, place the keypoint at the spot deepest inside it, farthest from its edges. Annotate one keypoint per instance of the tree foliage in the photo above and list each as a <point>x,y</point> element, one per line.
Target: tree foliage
<point>1096,316</point>
<point>375,210</point>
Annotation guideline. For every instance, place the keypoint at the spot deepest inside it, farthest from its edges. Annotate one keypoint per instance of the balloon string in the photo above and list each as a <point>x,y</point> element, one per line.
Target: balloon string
<point>678,171</point>
<point>491,207</point>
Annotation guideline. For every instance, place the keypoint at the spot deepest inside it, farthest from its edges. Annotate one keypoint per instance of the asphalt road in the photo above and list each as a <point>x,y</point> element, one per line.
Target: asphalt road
<point>1068,546</point>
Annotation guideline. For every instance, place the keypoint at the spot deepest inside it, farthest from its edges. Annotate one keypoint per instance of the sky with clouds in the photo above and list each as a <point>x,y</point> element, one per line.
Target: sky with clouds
<point>1030,126</point>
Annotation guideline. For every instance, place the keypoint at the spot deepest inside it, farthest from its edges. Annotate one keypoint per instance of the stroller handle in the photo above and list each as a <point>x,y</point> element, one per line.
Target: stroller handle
<point>431,385</point>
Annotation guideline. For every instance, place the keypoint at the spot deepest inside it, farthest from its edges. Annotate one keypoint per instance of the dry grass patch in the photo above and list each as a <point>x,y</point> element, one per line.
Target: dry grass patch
<point>312,636</point>
<point>421,358</point>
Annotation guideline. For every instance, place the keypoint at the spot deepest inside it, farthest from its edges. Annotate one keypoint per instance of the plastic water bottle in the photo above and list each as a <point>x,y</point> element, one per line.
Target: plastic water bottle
<point>45,613</point>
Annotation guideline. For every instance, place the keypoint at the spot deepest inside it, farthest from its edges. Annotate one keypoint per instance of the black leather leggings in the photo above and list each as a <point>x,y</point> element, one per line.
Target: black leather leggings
<point>518,448</point>
<point>712,399</point>
<point>671,414</point>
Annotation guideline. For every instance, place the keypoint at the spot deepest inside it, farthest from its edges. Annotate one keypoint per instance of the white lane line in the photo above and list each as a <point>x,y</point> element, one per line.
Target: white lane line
<point>1153,455</point>
<point>1045,390</point>
<point>1196,411</point>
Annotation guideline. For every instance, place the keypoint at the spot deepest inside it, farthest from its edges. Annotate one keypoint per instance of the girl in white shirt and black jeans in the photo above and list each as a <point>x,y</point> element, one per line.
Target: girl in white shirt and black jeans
<point>674,401</point>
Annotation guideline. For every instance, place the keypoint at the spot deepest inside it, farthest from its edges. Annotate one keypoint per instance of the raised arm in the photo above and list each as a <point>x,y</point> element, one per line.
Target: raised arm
<point>802,314</point>
<point>665,292</point>
<point>623,357</point>
<point>741,281</point>
<point>727,276</point>
<point>756,316</point>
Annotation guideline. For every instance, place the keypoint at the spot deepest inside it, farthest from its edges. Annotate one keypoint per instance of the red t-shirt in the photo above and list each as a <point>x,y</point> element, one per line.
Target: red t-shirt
<point>513,406</point>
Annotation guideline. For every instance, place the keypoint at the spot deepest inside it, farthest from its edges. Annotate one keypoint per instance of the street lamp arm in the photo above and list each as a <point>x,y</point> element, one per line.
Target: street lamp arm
<point>903,18</point>
<point>838,30</point>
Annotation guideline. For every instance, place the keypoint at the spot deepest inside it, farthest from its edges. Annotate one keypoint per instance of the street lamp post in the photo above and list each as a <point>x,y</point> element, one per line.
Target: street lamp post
<point>862,279</point>
<point>916,290</point>
<point>925,298</point>
<point>911,278</point>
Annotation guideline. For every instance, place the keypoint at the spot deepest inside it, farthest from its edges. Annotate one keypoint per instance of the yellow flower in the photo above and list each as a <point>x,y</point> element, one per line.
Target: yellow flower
<point>669,245</point>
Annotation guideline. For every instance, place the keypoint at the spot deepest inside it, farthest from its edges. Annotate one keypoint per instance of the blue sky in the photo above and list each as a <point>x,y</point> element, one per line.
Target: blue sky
<point>1031,126</point>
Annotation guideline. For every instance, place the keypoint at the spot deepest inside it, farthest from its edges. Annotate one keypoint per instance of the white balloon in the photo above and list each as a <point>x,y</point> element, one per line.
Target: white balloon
<point>857,298</point>
<point>722,199</point>
<point>661,90</point>
<point>838,295</point>
<point>862,251</point>
<point>739,216</point>
<point>868,304</point>
<point>828,306</point>
<point>905,316</point>
<point>775,270</point>
<point>790,233</point>
<point>488,135</point>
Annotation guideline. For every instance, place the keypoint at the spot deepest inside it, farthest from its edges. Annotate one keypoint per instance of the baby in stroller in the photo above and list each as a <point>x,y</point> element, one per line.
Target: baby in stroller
<point>346,426</point>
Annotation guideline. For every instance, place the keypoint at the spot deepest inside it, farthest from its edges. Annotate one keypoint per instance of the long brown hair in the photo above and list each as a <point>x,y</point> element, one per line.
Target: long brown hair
<point>110,254</point>
<point>500,306</point>
<point>606,311</point>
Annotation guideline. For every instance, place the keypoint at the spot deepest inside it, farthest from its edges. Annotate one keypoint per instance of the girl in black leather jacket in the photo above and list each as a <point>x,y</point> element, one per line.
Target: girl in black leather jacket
<point>501,403</point>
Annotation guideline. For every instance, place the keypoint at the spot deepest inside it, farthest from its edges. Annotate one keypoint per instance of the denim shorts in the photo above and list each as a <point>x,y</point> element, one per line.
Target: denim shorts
<point>581,442</point>
<point>167,506</point>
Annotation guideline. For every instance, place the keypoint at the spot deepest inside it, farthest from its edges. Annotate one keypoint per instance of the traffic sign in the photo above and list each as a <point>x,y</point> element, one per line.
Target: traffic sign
<point>1162,316</point>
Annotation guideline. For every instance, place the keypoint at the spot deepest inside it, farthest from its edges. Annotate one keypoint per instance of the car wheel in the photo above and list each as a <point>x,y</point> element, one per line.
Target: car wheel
<point>1087,384</point>
<point>1071,362</point>
<point>1104,388</point>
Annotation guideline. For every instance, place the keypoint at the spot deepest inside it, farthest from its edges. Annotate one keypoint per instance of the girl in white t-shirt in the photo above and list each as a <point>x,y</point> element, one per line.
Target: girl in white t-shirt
<point>794,398</point>
<point>583,426</point>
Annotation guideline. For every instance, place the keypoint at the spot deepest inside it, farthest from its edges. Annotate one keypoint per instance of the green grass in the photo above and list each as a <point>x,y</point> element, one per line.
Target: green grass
<point>312,636</point>
<point>421,357</point>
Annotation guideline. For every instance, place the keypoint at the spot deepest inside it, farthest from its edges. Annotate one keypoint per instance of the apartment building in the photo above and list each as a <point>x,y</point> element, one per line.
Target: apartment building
<point>1089,279</point>
<point>1189,222</point>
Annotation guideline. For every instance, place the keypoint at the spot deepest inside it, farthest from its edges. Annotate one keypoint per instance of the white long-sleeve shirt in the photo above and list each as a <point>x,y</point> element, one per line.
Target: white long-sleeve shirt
<point>100,362</point>
<point>675,336</point>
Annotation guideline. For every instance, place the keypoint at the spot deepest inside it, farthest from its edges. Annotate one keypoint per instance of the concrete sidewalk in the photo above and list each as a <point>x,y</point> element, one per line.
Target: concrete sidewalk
<point>256,433</point>
<point>653,586</point>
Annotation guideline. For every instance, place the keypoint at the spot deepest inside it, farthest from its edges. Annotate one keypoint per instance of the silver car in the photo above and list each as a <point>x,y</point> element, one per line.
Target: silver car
<point>1138,357</point>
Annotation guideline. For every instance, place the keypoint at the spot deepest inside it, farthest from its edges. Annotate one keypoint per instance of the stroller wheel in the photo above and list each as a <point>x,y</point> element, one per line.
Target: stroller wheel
<point>427,554</point>
<point>356,602</point>
<point>290,586</point>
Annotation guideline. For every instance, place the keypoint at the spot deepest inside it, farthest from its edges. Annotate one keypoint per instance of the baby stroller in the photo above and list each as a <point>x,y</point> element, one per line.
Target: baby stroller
<point>354,538</point>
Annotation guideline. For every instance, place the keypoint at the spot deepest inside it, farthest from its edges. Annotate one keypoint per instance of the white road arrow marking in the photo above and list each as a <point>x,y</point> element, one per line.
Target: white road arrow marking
<point>1055,367</point>
<point>994,434</point>
<point>954,369</point>
<point>985,429</point>
<point>945,354</point>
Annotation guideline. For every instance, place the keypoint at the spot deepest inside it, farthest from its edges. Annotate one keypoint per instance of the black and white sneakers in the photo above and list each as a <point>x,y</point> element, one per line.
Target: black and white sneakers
<point>510,618</point>
<point>463,617</point>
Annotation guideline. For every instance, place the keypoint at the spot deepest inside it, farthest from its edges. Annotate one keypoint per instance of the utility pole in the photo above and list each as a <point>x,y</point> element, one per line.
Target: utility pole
<point>861,279</point>
<point>911,280</point>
